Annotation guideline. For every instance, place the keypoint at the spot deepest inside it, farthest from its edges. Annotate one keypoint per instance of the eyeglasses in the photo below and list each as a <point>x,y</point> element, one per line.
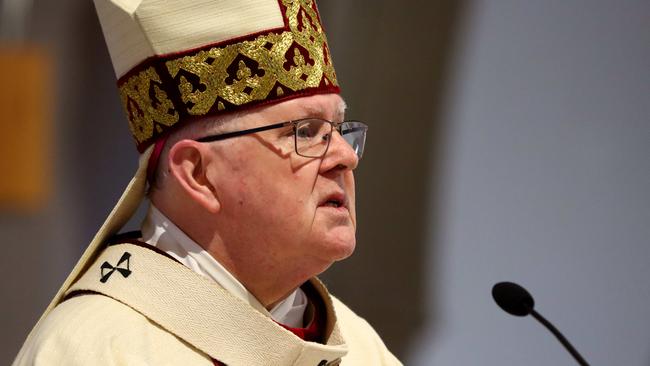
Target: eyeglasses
<point>312,136</point>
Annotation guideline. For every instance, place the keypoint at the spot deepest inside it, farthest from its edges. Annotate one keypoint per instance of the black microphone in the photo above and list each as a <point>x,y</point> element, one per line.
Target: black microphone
<point>515,300</point>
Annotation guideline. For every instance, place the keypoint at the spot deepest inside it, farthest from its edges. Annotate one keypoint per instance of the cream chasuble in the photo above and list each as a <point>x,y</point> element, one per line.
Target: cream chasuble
<point>135,305</point>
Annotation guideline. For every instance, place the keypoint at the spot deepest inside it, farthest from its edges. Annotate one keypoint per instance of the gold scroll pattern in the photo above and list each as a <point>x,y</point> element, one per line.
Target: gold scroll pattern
<point>296,59</point>
<point>142,111</point>
<point>269,53</point>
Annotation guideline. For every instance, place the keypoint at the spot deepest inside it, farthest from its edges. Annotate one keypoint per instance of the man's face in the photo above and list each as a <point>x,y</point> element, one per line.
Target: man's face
<point>276,206</point>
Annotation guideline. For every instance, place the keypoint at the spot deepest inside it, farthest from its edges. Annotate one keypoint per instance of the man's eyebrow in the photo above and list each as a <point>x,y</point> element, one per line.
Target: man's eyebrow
<point>319,111</point>
<point>341,112</point>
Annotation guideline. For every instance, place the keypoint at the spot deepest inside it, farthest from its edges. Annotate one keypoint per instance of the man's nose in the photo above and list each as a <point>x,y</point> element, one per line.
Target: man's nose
<point>339,154</point>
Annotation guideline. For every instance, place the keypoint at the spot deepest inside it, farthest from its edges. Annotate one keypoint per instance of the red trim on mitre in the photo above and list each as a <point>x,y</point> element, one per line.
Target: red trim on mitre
<point>169,86</point>
<point>252,105</point>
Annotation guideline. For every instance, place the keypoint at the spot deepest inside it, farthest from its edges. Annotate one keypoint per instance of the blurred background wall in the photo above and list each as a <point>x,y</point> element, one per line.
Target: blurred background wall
<point>545,181</point>
<point>509,140</point>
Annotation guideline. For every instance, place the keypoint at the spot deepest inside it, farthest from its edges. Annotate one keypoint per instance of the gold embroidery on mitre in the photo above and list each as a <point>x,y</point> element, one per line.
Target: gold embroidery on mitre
<point>141,109</point>
<point>247,71</point>
<point>236,74</point>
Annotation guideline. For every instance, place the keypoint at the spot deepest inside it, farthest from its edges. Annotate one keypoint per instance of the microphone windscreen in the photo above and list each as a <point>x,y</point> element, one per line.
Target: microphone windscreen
<point>513,298</point>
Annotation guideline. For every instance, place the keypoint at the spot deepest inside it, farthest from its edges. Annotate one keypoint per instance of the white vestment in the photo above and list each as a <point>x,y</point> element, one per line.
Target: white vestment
<point>135,305</point>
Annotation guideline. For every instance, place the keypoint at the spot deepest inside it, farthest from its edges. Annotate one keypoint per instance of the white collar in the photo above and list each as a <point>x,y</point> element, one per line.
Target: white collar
<point>159,231</point>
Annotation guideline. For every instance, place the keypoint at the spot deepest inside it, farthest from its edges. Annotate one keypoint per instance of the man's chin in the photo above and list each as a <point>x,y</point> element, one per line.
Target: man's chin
<point>341,247</point>
<point>324,252</point>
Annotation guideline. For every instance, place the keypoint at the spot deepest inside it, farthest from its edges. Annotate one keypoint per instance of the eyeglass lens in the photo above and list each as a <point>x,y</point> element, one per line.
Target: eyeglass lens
<point>354,133</point>
<point>312,137</point>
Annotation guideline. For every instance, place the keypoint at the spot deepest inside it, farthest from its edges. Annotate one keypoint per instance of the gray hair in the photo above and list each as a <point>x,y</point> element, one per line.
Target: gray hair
<point>192,131</point>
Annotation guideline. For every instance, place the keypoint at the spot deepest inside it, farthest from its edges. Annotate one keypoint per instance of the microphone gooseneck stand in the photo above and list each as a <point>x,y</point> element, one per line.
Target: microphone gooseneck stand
<point>515,300</point>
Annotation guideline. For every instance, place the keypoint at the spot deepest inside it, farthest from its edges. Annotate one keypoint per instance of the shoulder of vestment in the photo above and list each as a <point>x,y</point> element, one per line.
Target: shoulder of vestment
<point>92,329</point>
<point>191,308</point>
<point>135,306</point>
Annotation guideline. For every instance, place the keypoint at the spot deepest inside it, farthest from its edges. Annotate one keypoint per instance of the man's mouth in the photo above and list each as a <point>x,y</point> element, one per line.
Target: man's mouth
<point>333,203</point>
<point>336,200</point>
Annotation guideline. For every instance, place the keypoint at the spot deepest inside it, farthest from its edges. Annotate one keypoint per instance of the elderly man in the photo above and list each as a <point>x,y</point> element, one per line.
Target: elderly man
<point>249,160</point>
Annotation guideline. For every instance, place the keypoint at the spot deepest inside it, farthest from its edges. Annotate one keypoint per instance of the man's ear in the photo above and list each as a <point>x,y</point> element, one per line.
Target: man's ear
<point>188,162</point>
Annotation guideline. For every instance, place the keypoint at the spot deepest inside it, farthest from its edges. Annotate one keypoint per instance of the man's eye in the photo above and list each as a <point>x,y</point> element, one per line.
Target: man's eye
<point>306,132</point>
